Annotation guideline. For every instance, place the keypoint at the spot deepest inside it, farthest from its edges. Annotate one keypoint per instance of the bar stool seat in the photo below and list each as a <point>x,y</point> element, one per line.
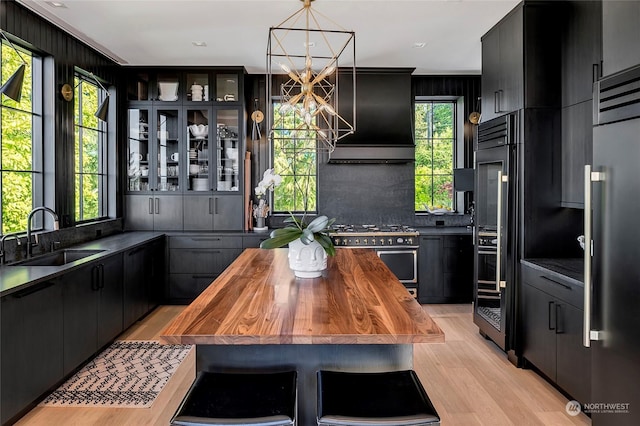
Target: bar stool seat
<point>388,398</point>
<point>225,399</point>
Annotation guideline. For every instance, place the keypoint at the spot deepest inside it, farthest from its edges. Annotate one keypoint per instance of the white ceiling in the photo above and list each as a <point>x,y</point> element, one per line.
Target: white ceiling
<point>161,32</point>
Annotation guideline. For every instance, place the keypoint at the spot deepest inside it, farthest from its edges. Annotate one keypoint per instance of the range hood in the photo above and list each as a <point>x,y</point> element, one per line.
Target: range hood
<point>384,117</point>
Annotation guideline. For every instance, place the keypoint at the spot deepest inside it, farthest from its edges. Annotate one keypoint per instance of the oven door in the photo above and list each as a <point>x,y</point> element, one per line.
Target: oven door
<point>403,263</point>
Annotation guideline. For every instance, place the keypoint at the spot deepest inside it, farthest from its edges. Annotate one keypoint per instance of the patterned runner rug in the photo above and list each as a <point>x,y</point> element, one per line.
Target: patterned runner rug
<point>126,374</point>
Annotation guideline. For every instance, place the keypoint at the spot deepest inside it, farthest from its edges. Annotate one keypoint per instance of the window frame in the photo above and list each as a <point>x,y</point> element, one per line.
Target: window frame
<point>81,78</point>
<point>457,198</point>
<point>37,171</point>
<point>294,153</point>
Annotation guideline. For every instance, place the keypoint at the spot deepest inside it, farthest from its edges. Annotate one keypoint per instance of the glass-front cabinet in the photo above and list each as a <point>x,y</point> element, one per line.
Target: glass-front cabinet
<point>154,149</point>
<point>185,150</point>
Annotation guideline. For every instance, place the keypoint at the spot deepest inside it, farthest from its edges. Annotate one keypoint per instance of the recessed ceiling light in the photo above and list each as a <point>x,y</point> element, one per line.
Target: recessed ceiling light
<point>419,44</point>
<point>310,44</point>
<point>55,4</point>
<point>199,43</point>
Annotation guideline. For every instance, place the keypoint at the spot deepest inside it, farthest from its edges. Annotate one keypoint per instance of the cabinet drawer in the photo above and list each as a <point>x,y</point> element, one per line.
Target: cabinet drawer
<point>253,241</point>
<point>205,241</point>
<point>189,286</point>
<point>457,241</point>
<point>201,261</point>
<point>554,285</point>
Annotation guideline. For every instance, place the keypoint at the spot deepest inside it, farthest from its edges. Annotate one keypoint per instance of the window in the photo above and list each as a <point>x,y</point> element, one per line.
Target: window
<point>20,142</point>
<point>435,137</point>
<point>90,152</point>
<point>295,160</point>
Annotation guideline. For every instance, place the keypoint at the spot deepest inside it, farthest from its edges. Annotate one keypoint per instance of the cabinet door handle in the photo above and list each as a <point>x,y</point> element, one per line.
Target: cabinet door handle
<point>549,311</point>
<point>556,282</point>
<point>215,205</point>
<point>559,328</point>
<point>595,74</point>
<point>150,205</point>
<point>202,276</point>
<point>496,108</point>
<point>157,206</point>
<point>95,278</point>
<point>210,205</point>
<point>33,289</point>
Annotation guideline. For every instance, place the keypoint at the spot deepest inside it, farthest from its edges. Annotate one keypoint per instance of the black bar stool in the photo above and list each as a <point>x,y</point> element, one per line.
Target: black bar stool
<point>388,398</point>
<point>225,399</point>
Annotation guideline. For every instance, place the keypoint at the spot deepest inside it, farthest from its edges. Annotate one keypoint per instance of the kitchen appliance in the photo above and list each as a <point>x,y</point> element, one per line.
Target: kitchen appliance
<point>396,245</point>
<point>494,228</point>
<point>611,274</point>
<point>384,112</point>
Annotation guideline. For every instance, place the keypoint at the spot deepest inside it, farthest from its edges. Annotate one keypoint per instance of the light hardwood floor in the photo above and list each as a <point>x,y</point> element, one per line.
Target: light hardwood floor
<point>469,380</point>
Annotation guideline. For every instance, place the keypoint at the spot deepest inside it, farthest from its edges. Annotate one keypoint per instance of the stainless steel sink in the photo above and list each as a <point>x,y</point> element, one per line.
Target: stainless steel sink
<point>58,258</point>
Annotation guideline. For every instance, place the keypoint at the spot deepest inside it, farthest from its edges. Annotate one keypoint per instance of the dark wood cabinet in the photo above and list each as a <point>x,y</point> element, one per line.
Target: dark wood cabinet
<point>520,61</point>
<point>31,323</point>
<point>581,57</point>
<point>136,274</point>
<point>620,35</point>
<point>445,269</point>
<point>195,261</point>
<point>92,300</point>
<point>502,72</point>
<point>577,139</point>
<point>218,213</point>
<point>552,321</point>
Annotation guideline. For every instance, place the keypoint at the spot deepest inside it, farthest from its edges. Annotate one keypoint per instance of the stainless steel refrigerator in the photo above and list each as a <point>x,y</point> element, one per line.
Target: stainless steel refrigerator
<point>612,262</point>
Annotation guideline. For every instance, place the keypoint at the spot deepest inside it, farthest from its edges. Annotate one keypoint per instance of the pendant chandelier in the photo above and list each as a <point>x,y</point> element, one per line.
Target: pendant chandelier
<point>310,69</point>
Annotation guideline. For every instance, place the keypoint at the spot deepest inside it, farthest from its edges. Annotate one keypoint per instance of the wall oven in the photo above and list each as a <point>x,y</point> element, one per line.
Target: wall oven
<point>494,248</point>
<point>396,245</point>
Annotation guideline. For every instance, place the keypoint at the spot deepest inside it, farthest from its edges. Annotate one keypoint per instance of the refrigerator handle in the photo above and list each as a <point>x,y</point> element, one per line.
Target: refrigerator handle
<point>587,334</point>
<point>499,283</point>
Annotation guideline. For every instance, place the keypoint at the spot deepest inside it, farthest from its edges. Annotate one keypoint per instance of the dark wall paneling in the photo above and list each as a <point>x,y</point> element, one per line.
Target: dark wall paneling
<point>68,53</point>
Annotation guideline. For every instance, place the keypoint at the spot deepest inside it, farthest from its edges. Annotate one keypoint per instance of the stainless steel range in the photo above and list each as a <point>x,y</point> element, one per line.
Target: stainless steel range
<point>396,245</point>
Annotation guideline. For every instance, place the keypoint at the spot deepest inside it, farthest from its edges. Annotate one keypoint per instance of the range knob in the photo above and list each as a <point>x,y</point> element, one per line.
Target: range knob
<point>357,241</point>
<point>381,241</point>
<point>337,241</point>
<point>365,241</point>
<point>400,240</point>
<point>410,241</point>
<point>390,241</point>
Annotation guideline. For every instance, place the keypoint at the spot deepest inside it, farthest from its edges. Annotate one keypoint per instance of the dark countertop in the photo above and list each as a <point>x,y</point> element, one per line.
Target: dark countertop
<point>16,278</point>
<point>567,268</point>
<point>445,230</point>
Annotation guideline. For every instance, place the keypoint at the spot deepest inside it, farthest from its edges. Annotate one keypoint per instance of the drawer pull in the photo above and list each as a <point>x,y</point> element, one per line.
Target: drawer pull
<point>205,239</point>
<point>556,282</point>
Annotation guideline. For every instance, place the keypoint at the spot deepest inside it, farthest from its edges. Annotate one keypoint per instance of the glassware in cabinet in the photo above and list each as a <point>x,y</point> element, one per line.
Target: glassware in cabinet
<point>168,86</point>
<point>198,149</point>
<point>167,125</point>
<point>228,150</point>
<point>138,150</point>
<point>227,88</point>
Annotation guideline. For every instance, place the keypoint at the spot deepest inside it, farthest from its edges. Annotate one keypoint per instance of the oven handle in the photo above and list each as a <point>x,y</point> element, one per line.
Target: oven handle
<point>499,283</point>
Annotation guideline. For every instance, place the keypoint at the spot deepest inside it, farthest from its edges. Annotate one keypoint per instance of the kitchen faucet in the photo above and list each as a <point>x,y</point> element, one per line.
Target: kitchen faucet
<point>2,240</point>
<point>56,225</point>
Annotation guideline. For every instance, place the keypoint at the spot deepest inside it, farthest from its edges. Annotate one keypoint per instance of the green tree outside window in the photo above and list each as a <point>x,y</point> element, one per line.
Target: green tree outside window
<point>16,151</point>
<point>435,149</point>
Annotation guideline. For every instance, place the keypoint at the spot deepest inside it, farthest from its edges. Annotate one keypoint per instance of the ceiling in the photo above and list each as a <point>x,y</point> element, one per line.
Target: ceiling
<point>162,32</point>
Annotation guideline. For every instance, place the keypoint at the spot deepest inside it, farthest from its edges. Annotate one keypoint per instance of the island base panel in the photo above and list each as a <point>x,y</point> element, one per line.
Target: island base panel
<point>306,360</point>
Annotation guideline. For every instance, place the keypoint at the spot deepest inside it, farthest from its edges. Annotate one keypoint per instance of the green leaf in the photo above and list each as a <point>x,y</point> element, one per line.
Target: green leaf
<point>282,239</point>
<point>326,243</point>
<point>307,236</point>
<point>318,224</point>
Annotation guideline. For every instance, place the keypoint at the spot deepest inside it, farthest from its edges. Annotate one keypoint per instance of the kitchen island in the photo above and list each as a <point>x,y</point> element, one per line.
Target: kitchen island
<point>257,315</point>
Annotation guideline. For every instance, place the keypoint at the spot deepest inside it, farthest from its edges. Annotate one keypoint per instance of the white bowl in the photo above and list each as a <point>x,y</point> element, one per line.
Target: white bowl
<point>199,131</point>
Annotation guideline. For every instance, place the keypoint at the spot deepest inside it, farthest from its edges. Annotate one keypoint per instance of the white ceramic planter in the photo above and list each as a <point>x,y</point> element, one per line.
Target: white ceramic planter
<point>307,260</point>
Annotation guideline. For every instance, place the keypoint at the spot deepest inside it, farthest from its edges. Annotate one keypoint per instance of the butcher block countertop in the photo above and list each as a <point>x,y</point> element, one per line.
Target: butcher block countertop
<point>258,300</point>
